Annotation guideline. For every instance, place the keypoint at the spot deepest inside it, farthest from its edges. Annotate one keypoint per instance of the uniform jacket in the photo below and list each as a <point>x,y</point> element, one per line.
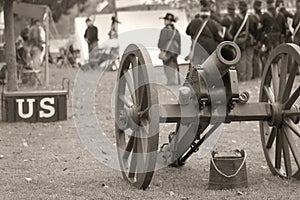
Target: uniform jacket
<point>286,13</point>
<point>227,21</point>
<point>296,21</point>
<point>210,37</point>
<point>256,25</point>
<point>251,31</point>
<point>273,22</point>
<point>165,37</point>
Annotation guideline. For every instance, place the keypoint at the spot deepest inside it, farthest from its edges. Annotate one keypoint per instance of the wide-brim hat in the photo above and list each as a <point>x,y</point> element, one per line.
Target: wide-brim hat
<point>169,16</point>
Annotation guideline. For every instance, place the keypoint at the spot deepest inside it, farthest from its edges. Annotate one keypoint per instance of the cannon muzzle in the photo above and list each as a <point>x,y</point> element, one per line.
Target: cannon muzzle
<point>226,54</point>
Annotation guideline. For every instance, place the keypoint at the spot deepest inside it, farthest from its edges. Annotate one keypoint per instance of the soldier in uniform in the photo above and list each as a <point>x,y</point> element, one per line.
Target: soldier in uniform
<point>91,35</point>
<point>296,24</point>
<point>170,42</point>
<point>243,32</point>
<point>227,20</point>
<point>282,9</point>
<point>273,27</point>
<point>214,15</point>
<point>210,36</point>
<point>255,18</point>
<point>296,27</point>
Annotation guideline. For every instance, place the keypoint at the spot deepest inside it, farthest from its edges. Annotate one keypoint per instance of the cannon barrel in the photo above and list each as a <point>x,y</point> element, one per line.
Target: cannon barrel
<point>226,54</point>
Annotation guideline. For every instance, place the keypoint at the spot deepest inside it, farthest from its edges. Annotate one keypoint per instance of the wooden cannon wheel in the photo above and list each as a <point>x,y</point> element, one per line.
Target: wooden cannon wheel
<point>280,135</point>
<point>137,118</point>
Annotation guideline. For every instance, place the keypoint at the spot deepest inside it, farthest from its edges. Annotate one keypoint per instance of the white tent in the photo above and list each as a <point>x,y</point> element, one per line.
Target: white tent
<point>136,27</point>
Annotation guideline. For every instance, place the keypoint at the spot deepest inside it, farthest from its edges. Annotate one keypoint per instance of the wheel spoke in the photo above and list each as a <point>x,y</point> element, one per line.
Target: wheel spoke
<point>142,96</point>
<point>291,113</point>
<point>283,76</point>
<point>275,79</point>
<point>143,128</point>
<point>271,138</point>
<point>293,98</point>
<point>293,127</point>
<point>278,150</point>
<point>133,61</point>
<point>133,162</point>
<point>135,74</point>
<point>286,156</point>
<point>125,100</point>
<point>130,85</point>
<point>140,156</point>
<point>128,148</point>
<point>293,147</point>
<point>269,94</point>
<point>290,83</point>
<point>143,113</point>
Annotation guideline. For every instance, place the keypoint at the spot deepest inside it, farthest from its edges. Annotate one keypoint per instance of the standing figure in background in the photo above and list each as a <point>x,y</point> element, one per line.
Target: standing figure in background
<point>205,32</point>
<point>273,28</point>
<point>113,32</point>
<point>114,45</point>
<point>43,40</point>
<point>256,18</point>
<point>36,45</point>
<point>214,14</point>
<point>25,32</point>
<point>170,43</point>
<point>242,31</point>
<point>296,24</point>
<point>91,35</point>
<point>296,27</point>
<point>282,9</point>
<point>227,20</point>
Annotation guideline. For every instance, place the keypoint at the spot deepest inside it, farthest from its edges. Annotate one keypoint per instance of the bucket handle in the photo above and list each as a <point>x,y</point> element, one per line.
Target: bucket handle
<point>242,152</point>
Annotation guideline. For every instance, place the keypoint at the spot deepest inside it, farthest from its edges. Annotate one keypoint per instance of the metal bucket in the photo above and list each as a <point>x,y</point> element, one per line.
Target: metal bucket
<point>228,172</point>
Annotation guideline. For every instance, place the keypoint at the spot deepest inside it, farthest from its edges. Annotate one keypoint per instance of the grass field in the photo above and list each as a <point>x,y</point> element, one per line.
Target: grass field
<point>49,161</point>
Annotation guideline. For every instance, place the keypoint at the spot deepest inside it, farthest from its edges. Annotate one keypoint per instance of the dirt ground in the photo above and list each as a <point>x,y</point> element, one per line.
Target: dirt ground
<point>49,161</point>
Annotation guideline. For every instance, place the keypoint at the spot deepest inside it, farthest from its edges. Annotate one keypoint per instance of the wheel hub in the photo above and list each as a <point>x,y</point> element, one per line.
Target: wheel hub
<point>129,118</point>
<point>277,115</point>
<point>133,115</point>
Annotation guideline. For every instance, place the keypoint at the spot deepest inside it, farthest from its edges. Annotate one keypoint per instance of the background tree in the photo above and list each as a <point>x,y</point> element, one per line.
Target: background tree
<point>58,7</point>
<point>10,49</point>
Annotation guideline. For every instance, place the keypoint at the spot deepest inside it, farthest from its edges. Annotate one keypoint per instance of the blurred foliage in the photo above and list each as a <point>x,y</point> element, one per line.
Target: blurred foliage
<point>59,7</point>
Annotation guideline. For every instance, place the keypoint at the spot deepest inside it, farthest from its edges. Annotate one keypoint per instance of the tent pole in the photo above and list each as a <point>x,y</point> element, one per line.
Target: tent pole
<point>47,51</point>
<point>115,9</point>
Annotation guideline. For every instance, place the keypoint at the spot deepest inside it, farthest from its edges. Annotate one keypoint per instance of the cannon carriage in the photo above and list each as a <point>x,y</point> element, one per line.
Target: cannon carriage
<point>208,98</point>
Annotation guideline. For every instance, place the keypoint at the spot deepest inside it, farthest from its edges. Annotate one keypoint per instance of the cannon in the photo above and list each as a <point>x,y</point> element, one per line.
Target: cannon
<point>208,98</point>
